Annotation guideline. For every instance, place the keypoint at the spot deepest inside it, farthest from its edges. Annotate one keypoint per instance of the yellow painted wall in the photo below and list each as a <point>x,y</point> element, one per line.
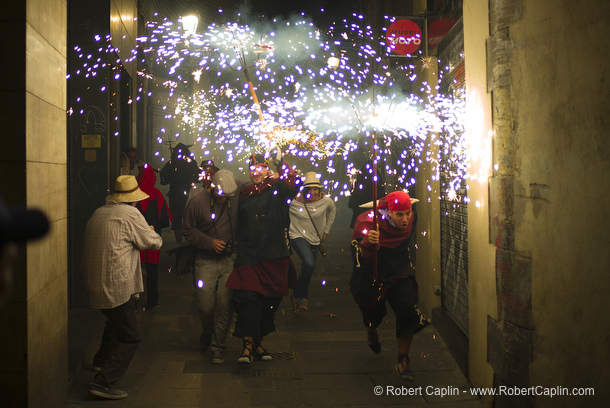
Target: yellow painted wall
<point>481,254</point>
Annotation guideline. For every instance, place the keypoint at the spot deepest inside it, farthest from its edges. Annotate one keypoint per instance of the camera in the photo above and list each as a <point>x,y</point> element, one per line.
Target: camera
<point>228,250</point>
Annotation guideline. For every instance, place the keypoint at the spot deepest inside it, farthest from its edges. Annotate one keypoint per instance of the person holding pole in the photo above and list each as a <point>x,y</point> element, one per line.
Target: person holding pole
<point>383,272</point>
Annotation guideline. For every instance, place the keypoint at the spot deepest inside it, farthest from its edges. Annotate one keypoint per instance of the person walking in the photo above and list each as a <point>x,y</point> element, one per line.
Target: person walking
<point>312,214</point>
<point>114,236</point>
<point>210,225</point>
<point>263,270</point>
<point>181,173</point>
<point>393,279</point>
<point>156,213</point>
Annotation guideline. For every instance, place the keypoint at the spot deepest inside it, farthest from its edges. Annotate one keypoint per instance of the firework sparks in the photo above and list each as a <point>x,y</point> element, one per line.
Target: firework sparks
<point>317,94</point>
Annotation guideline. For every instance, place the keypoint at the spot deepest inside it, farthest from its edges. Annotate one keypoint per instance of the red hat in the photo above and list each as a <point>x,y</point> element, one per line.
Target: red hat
<point>397,201</point>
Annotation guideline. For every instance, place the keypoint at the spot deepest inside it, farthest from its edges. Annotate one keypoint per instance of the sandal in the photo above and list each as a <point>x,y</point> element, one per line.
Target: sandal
<point>259,351</point>
<point>402,368</point>
<point>373,338</point>
<point>295,305</point>
<point>246,358</point>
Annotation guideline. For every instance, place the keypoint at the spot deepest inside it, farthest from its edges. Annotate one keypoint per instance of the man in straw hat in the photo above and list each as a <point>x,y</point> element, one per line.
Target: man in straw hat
<point>393,279</point>
<point>114,236</point>
<point>210,225</point>
<point>263,269</point>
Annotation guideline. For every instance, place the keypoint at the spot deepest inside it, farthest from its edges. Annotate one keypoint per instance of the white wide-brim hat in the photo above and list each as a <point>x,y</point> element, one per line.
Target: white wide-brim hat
<point>312,180</point>
<point>126,190</point>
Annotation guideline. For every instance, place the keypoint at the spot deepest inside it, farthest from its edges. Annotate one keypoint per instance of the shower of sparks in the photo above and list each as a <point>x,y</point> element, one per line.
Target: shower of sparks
<point>331,116</point>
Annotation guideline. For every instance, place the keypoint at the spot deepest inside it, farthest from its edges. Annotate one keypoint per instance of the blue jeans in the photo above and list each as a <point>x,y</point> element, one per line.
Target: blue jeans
<point>308,254</point>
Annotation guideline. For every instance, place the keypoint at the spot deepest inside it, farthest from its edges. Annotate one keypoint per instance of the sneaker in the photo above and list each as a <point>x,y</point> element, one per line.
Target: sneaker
<point>303,304</point>
<point>373,338</point>
<point>402,368</point>
<point>105,392</point>
<point>95,368</point>
<point>217,357</point>
<point>152,307</point>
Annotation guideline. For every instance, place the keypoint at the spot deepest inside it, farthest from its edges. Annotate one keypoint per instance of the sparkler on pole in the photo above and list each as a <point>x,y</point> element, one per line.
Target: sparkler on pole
<point>244,65</point>
<point>375,203</point>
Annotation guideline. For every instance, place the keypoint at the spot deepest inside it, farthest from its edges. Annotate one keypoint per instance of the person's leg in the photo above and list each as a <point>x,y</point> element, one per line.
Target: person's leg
<point>308,254</point>
<point>269,307</point>
<point>224,305</point>
<point>176,206</point>
<point>248,311</point>
<point>152,281</point>
<point>372,317</point>
<point>205,279</point>
<point>125,326</point>
<point>109,342</point>
<point>402,299</point>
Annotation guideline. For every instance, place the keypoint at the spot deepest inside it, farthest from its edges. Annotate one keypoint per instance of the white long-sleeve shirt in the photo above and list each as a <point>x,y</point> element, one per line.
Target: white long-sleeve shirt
<point>111,268</point>
<point>323,214</point>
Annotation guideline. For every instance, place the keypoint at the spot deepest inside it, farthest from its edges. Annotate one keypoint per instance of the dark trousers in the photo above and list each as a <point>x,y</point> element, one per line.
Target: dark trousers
<point>152,284</point>
<point>119,343</point>
<point>255,313</point>
<point>402,297</point>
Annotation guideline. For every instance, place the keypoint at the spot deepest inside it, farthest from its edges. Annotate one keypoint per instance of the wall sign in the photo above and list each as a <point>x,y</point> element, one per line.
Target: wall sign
<point>404,37</point>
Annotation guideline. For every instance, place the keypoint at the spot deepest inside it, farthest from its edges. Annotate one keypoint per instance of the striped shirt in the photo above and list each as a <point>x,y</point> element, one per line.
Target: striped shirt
<point>114,236</point>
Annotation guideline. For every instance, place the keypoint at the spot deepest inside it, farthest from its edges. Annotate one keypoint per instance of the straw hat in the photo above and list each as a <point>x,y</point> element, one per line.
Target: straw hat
<point>312,180</point>
<point>126,190</point>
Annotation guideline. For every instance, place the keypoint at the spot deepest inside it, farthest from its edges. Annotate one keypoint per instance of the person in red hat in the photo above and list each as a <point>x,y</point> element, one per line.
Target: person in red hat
<point>395,274</point>
<point>263,270</point>
<point>157,213</point>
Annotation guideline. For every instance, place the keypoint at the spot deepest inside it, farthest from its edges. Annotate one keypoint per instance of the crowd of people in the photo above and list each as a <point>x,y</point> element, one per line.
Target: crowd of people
<point>242,234</point>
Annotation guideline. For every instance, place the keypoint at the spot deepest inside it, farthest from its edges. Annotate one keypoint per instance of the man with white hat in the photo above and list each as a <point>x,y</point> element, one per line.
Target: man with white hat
<point>393,279</point>
<point>113,239</point>
<point>210,225</point>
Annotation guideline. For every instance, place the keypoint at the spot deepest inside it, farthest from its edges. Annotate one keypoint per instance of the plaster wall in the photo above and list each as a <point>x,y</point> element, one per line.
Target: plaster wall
<point>560,94</point>
<point>544,142</point>
<point>481,254</point>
